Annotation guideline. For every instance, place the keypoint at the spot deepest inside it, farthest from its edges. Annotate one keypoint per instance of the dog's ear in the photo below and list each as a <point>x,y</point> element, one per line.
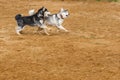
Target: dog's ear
<point>43,8</point>
<point>62,9</point>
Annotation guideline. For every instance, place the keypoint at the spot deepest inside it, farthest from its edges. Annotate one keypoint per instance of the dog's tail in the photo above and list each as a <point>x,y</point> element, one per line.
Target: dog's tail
<point>18,16</point>
<point>31,12</point>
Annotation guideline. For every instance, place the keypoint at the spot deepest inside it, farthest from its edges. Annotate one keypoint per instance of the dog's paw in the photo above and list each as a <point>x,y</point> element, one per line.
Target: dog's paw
<point>18,32</point>
<point>66,31</point>
<point>48,34</point>
<point>58,30</point>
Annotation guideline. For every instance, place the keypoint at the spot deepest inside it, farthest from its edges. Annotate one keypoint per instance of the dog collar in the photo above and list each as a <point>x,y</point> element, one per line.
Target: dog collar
<point>61,16</point>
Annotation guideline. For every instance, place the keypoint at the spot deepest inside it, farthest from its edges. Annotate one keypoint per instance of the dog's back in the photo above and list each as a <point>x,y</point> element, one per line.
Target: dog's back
<point>24,20</point>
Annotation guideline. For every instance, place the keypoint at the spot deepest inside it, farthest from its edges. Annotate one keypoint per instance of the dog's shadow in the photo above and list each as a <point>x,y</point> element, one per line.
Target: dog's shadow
<point>42,33</point>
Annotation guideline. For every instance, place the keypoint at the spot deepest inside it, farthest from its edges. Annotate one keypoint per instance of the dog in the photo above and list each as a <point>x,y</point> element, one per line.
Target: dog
<point>37,19</point>
<point>55,19</point>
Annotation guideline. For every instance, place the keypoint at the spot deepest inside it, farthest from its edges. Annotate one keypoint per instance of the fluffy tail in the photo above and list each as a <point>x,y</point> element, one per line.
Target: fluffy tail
<point>31,12</point>
<point>18,16</point>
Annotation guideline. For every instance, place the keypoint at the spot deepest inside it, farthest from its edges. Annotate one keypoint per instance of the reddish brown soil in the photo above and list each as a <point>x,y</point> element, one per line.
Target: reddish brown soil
<point>90,51</point>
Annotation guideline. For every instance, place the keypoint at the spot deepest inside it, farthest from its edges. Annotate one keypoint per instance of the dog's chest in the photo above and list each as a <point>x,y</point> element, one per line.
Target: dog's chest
<point>60,21</point>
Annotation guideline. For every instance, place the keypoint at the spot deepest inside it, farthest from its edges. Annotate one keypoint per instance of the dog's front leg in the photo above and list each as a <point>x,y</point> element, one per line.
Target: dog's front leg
<point>62,28</point>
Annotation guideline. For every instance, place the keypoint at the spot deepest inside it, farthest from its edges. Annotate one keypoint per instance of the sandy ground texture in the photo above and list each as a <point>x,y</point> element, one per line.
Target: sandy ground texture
<point>90,51</point>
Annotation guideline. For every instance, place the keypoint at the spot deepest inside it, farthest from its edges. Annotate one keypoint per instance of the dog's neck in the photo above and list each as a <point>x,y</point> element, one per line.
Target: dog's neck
<point>60,16</point>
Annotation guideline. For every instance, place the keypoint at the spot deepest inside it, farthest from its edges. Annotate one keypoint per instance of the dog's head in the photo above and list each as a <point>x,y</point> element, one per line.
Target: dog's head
<point>64,13</point>
<point>42,11</point>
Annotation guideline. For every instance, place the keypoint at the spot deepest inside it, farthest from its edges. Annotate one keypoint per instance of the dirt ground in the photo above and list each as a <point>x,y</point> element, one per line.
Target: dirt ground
<point>90,51</point>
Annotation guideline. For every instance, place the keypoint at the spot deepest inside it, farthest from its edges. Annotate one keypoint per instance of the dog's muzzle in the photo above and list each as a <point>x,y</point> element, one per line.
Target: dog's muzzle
<point>67,15</point>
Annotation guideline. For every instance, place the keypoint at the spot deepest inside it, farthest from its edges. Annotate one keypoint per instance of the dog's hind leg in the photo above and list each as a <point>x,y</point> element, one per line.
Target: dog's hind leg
<point>39,30</point>
<point>44,27</point>
<point>19,29</point>
<point>45,30</point>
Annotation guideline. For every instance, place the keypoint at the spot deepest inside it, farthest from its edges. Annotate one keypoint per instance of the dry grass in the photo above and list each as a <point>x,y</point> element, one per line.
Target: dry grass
<point>90,51</point>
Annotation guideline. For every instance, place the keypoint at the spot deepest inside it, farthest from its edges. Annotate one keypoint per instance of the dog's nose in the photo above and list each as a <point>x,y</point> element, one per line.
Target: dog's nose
<point>66,15</point>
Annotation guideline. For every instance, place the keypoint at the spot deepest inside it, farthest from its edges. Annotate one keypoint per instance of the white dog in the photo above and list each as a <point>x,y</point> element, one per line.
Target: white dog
<point>55,19</point>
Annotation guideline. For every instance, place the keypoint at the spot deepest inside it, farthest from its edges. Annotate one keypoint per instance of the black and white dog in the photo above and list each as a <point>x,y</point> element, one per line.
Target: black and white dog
<point>55,19</point>
<point>36,19</point>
